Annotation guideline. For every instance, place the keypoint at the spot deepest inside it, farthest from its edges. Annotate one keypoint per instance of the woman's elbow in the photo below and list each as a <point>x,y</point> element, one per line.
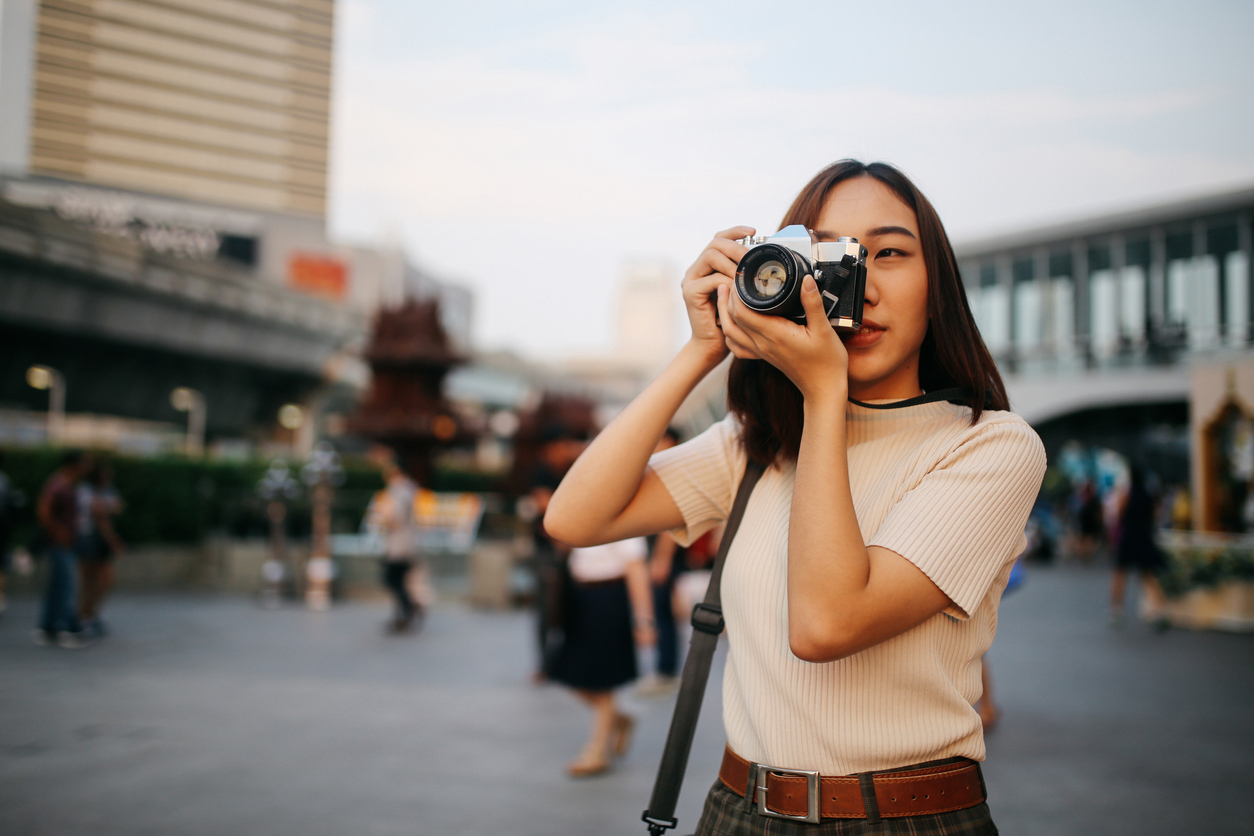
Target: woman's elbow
<point>820,643</point>
<point>558,526</point>
<point>564,527</point>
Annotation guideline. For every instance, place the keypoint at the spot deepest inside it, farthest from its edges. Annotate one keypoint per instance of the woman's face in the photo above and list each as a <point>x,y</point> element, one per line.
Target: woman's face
<point>884,355</point>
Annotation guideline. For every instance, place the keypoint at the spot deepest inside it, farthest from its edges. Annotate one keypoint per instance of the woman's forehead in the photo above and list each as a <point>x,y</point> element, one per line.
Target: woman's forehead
<point>856,206</point>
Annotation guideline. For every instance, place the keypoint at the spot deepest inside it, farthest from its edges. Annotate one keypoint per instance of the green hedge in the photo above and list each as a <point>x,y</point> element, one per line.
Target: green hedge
<point>1205,567</point>
<point>176,499</point>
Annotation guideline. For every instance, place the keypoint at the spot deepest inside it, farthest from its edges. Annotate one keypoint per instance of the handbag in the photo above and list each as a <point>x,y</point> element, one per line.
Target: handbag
<point>707,625</point>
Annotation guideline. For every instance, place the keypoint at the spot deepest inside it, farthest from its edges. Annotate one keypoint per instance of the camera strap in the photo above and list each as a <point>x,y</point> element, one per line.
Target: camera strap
<point>707,625</point>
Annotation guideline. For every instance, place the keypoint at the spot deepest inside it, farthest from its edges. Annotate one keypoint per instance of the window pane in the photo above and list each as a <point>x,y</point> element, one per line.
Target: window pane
<point>1063,316</point>
<point>1237,295</point>
<point>1203,302</point>
<point>1103,313</point>
<point>1132,303</point>
<point>1027,302</point>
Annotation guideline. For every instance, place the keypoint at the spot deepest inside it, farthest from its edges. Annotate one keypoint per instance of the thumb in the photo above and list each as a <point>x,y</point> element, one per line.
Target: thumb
<point>812,302</point>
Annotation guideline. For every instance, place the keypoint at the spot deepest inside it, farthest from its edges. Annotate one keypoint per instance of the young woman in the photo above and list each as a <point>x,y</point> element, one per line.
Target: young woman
<point>861,590</point>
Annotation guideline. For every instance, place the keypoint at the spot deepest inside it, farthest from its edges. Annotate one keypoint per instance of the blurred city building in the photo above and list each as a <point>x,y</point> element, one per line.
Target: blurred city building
<point>221,102</point>
<point>163,175</point>
<point>1104,327</point>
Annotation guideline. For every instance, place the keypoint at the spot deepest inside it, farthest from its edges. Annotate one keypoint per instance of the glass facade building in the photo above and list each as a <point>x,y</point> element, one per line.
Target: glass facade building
<point>1145,288</point>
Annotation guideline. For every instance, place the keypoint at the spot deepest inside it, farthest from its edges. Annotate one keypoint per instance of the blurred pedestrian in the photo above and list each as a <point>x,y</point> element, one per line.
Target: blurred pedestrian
<point>57,513</point>
<point>607,613</point>
<point>391,515</point>
<point>11,499</point>
<point>97,544</point>
<point>666,563</point>
<point>990,712</point>
<point>1090,526</point>
<point>1138,552</point>
<point>558,450</point>
<point>691,585</point>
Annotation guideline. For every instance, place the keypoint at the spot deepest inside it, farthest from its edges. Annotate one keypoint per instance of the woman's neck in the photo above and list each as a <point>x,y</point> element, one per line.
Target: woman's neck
<point>902,384</point>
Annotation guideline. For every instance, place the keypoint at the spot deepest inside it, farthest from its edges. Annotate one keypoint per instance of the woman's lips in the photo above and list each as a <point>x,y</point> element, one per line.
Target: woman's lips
<point>869,335</point>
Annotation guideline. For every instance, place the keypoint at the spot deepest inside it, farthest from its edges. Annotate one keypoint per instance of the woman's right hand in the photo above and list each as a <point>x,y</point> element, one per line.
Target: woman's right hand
<point>715,266</point>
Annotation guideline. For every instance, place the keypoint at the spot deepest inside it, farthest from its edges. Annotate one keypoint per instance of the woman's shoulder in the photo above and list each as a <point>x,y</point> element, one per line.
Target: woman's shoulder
<point>1004,433</point>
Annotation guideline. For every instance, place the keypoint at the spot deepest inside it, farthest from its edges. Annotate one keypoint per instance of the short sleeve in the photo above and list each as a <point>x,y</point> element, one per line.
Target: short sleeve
<point>702,475</point>
<point>964,520</point>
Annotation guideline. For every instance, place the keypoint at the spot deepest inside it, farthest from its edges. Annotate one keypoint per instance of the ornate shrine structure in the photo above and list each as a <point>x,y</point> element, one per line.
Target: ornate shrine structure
<point>409,355</point>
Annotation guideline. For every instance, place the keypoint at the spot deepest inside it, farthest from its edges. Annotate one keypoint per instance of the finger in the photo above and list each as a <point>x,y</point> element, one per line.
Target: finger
<point>732,249</point>
<point>702,287</point>
<point>720,263</point>
<point>735,336</point>
<point>712,261</point>
<point>736,232</point>
<point>812,303</point>
<point>750,321</point>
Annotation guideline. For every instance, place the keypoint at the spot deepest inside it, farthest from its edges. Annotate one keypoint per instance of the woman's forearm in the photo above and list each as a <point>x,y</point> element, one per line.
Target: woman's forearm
<point>843,596</point>
<point>599,487</point>
<point>828,564</point>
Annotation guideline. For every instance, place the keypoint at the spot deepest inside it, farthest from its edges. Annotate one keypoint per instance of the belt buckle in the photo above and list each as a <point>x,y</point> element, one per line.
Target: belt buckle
<point>755,792</point>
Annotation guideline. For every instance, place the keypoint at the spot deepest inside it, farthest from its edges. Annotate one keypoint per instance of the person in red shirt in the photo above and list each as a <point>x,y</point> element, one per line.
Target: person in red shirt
<point>58,512</point>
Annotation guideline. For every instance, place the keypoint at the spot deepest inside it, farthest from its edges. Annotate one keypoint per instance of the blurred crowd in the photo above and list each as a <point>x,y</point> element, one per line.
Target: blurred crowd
<point>600,612</point>
<point>75,535</point>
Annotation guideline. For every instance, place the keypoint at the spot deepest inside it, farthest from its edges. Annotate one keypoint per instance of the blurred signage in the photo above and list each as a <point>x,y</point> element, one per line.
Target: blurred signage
<point>317,274</point>
<point>164,226</point>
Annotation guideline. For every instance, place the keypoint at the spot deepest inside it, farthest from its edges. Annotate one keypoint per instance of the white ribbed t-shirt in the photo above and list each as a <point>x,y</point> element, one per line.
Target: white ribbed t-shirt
<point>951,498</point>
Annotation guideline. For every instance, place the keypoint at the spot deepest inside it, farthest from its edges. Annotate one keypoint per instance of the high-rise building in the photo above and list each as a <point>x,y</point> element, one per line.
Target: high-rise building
<point>647,315</point>
<point>163,181</point>
<point>221,101</point>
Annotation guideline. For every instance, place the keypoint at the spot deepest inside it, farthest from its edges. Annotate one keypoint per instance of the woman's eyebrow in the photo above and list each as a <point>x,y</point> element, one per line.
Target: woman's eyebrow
<point>889,230</point>
<point>871,233</point>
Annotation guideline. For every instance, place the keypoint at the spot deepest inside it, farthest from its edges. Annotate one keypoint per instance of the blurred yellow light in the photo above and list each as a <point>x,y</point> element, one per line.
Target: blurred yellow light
<point>182,399</point>
<point>39,377</point>
<point>291,416</point>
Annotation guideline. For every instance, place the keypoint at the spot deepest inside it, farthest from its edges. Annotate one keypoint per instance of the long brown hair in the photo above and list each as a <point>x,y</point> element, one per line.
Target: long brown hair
<point>953,355</point>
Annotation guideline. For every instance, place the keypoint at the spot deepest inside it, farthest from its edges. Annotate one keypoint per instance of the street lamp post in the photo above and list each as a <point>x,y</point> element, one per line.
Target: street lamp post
<point>193,403</point>
<point>276,487</point>
<point>46,377</point>
<point>295,419</point>
<point>321,473</point>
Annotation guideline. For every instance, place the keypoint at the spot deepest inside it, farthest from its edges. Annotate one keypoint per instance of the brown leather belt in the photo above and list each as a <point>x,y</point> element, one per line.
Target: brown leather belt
<point>937,787</point>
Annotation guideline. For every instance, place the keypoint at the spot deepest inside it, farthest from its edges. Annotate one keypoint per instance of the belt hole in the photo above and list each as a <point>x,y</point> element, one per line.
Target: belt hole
<point>892,799</point>
<point>925,795</point>
<point>914,798</point>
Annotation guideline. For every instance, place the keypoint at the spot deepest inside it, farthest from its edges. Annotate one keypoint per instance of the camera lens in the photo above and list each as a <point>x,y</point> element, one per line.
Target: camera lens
<point>770,279</point>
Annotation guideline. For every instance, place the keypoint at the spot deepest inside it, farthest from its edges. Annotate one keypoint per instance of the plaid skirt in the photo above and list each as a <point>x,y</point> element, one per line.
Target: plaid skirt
<point>724,815</point>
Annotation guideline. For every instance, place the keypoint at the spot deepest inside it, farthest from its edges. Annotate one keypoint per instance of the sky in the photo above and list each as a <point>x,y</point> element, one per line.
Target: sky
<point>529,151</point>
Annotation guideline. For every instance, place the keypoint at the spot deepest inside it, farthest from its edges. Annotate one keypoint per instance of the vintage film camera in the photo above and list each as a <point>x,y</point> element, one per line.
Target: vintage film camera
<point>769,276</point>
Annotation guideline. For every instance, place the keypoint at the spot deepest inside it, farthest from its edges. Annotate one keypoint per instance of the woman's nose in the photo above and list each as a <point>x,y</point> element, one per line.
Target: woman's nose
<point>872,294</point>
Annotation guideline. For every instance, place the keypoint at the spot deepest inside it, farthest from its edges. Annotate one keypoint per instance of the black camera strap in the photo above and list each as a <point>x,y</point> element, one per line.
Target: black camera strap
<point>707,625</point>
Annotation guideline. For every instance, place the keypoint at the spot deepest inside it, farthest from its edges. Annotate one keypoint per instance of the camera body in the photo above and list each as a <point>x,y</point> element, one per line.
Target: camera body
<point>768,278</point>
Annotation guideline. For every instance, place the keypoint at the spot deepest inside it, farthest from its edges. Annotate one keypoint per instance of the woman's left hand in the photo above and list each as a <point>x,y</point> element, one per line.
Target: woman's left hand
<point>811,355</point>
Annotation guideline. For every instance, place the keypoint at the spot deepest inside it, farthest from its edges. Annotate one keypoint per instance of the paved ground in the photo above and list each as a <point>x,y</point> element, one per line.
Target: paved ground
<point>211,716</point>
